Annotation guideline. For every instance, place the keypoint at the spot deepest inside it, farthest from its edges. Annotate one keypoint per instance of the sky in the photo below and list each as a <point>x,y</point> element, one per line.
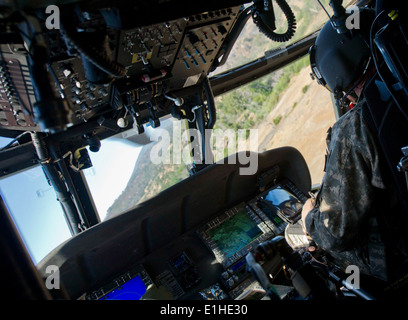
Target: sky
<point>112,168</point>
<point>33,205</point>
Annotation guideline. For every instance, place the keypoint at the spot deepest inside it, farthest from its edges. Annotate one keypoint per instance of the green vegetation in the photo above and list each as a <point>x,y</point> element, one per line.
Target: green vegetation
<point>248,105</point>
<point>147,180</point>
<point>173,175</point>
<point>277,120</point>
<point>304,89</point>
<point>245,107</point>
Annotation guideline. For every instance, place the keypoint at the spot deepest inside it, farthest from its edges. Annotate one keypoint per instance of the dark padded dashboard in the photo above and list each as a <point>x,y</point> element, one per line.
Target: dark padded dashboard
<point>165,227</point>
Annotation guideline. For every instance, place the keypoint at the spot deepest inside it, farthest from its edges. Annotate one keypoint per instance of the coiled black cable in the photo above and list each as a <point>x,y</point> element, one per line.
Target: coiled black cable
<point>271,34</point>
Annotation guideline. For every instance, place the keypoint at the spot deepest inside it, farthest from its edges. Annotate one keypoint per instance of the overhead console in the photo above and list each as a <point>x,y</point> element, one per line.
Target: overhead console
<point>120,63</point>
<point>191,246</point>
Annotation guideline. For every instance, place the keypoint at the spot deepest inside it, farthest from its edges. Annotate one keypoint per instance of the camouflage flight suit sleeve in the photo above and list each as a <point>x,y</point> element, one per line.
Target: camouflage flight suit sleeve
<point>346,196</point>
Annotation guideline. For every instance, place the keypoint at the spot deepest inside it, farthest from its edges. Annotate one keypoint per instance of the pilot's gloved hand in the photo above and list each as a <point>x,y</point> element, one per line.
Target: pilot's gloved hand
<point>307,207</point>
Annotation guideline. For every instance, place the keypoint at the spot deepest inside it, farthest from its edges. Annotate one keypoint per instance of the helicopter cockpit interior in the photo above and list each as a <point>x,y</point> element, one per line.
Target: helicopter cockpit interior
<point>75,73</point>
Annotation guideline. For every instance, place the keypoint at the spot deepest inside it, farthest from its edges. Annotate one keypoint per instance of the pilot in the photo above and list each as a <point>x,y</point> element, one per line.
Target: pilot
<point>341,219</point>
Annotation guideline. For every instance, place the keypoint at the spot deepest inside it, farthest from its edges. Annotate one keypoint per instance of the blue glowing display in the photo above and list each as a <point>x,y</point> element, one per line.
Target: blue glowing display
<point>134,289</point>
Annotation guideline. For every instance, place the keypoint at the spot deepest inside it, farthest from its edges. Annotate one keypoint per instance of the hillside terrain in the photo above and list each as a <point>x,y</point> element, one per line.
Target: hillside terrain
<point>306,112</point>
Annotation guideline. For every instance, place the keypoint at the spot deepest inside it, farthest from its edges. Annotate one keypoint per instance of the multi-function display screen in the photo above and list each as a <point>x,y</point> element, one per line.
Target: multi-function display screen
<point>235,233</point>
<point>133,289</point>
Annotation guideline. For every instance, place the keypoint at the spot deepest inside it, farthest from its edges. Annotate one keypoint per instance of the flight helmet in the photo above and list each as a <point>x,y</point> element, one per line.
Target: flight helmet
<point>338,60</point>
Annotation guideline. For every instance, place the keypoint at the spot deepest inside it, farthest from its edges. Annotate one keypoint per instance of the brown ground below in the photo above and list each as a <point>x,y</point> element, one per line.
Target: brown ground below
<point>306,112</point>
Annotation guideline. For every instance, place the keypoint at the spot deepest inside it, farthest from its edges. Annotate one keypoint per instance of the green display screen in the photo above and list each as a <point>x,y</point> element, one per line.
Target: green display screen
<point>235,233</point>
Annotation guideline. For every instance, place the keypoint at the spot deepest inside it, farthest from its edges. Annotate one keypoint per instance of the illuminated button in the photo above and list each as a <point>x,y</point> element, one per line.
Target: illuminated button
<point>90,96</point>
<point>103,92</point>
<point>76,100</point>
<point>76,90</point>
<point>77,83</point>
<point>91,86</point>
<point>67,72</point>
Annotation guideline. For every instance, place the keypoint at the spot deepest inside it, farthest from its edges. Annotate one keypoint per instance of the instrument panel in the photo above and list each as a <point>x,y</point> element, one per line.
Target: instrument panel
<point>159,59</point>
<point>16,91</point>
<point>209,263</point>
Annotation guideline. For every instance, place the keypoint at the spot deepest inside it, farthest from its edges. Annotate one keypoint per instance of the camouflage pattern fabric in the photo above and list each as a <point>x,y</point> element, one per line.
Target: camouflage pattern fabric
<point>341,221</point>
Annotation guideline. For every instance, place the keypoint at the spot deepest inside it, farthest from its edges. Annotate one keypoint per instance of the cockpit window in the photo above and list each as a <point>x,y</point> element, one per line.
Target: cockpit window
<point>5,141</point>
<point>35,211</point>
<point>123,174</point>
<point>286,108</point>
<point>253,44</point>
<point>131,168</point>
